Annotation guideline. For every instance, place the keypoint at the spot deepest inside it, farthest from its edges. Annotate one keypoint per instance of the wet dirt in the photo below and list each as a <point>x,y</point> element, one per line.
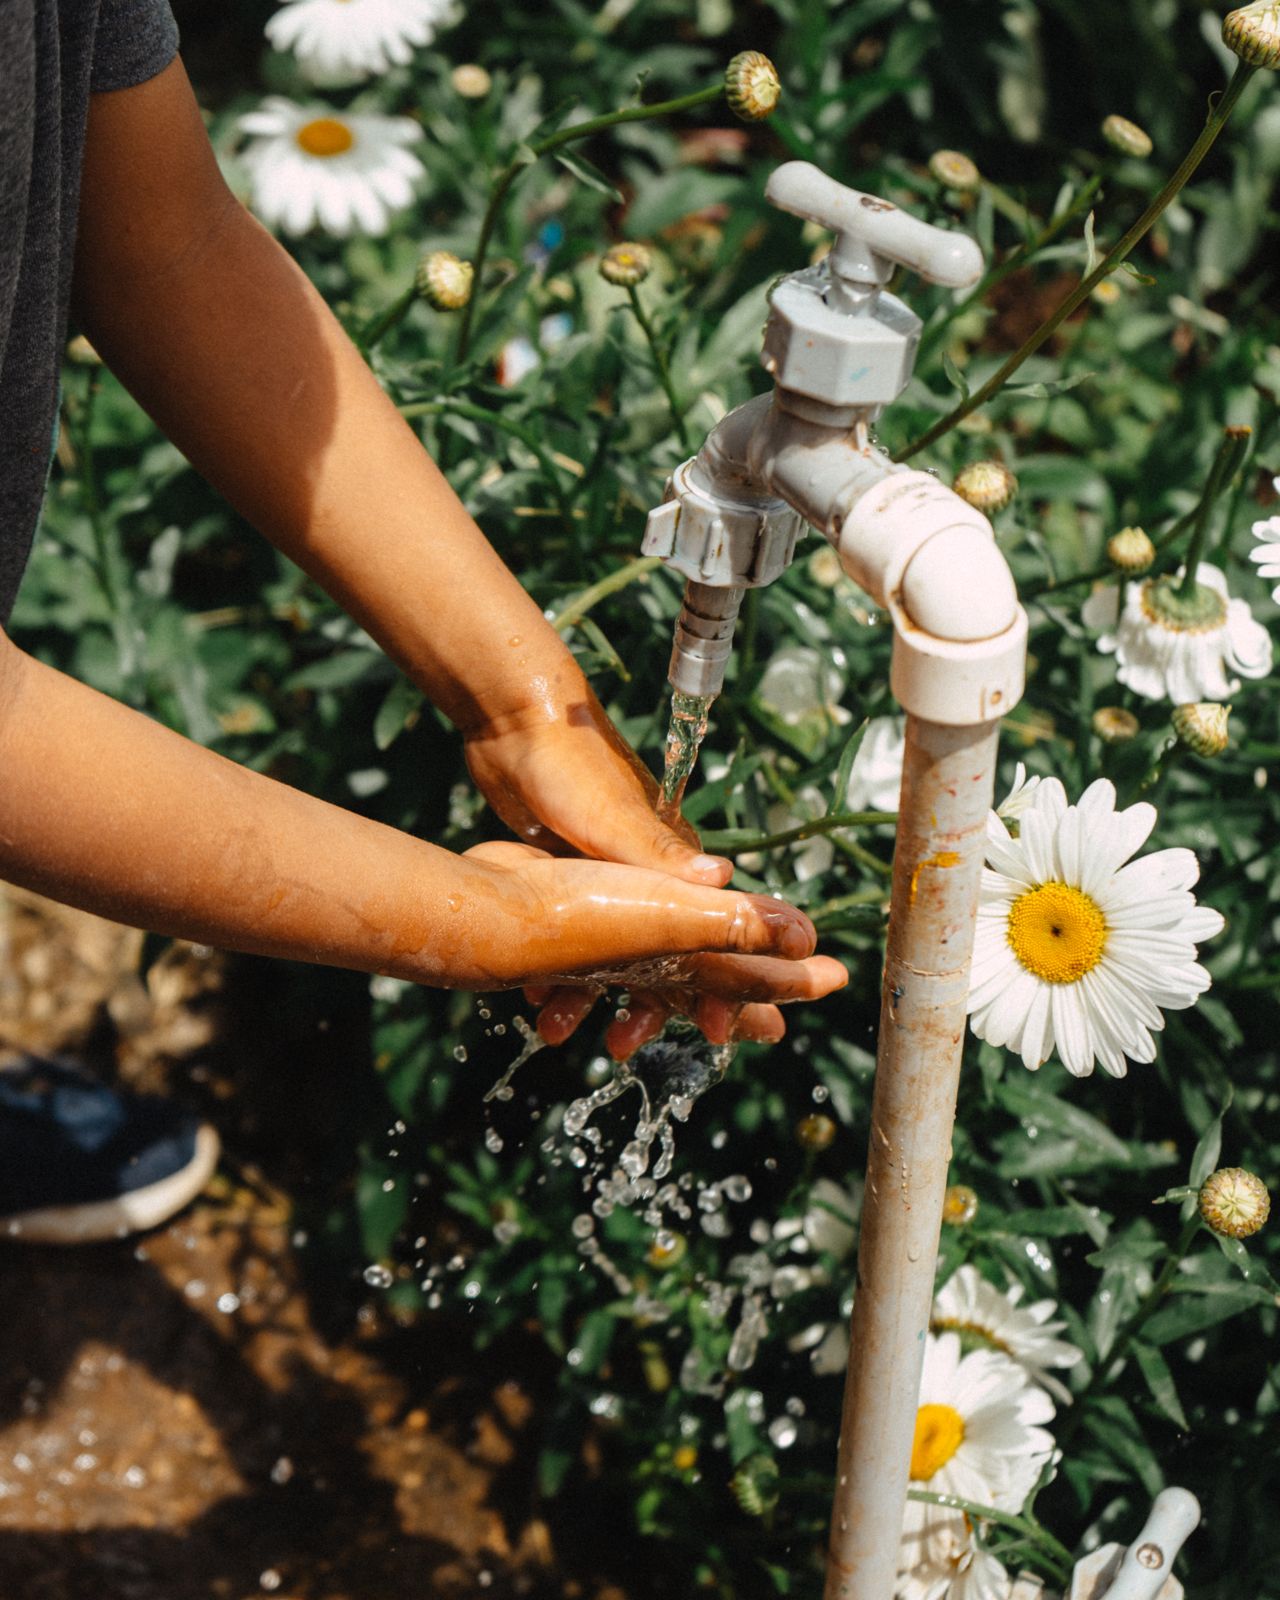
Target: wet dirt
<point>180,1419</point>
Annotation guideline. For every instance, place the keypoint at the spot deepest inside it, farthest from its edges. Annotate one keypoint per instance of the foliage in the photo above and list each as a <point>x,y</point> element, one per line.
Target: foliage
<point>147,586</point>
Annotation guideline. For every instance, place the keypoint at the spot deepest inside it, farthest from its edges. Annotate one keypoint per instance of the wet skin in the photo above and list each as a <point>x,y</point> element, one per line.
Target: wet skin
<point>221,337</point>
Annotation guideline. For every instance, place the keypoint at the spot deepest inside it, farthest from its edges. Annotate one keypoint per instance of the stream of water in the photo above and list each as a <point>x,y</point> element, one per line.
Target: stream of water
<point>685,733</point>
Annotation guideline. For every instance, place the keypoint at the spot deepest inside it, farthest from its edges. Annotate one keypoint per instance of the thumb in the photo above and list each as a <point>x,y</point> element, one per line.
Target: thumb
<point>636,835</point>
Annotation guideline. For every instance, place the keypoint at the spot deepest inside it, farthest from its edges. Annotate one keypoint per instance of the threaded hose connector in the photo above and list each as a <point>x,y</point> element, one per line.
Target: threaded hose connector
<point>703,638</point>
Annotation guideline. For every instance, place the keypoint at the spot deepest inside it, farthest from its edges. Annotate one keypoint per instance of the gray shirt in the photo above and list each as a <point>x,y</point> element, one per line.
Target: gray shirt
<point>53,54</point>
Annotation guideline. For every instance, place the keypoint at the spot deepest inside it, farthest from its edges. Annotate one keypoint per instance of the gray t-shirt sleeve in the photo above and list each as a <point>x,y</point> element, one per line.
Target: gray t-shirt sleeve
<point>135,39</point>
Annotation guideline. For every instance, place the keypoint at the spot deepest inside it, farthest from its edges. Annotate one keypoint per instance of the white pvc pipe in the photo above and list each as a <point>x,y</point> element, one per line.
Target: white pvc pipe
<point>947,783</point>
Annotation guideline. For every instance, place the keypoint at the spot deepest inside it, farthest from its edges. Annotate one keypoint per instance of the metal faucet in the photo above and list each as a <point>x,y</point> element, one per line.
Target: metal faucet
<point>840,348</point>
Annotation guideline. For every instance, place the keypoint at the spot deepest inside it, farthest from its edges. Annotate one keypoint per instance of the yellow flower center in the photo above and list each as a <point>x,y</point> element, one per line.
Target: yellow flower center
<point>939,1434</point>
<point>1057,932</point>
<point>324,137</point>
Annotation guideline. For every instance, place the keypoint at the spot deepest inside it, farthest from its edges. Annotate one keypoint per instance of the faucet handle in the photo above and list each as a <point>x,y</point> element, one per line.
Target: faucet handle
<point>871,234</point>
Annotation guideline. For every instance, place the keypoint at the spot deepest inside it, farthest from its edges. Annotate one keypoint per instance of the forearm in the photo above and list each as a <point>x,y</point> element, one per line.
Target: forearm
<point>105,809</point>
<point>220,335</point>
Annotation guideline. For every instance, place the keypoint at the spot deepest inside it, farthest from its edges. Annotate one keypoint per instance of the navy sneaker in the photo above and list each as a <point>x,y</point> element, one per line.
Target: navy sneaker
<point>81,1162</point>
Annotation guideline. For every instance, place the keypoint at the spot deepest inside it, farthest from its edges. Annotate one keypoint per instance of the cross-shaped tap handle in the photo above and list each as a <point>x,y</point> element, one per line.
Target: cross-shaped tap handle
<point>871,234</point>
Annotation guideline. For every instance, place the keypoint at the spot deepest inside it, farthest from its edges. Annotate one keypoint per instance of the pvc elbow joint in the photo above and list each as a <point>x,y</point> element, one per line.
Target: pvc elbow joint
<point>960,636</point>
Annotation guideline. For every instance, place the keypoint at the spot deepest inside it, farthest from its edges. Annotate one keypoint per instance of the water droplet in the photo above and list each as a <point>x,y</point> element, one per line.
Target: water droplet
<point>783,1432</point>
<point>459,1052</point>
<point>378,1277</point>
<point>821,1094</point>
<point>493,1140</point>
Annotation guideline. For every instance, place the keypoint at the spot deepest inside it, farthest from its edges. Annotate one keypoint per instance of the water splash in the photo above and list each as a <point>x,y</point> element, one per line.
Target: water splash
<point>502,1090</point>
<point>685,733</point>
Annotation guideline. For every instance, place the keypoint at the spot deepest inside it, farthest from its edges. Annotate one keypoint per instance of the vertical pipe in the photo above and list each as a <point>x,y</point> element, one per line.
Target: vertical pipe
<point>947,781</point>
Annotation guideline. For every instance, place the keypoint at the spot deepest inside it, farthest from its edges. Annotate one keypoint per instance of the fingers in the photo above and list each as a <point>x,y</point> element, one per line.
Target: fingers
<point>763,979</point>
<point>562,1010</point>
<point>646,1017</point>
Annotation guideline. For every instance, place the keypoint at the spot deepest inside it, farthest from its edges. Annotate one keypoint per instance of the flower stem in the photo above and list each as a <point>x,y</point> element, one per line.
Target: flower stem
<point>530,153</point>
<point>662,366</point>
<point>1232,449</point>
<point>389,317</point>
<point>1054,1552</point>
<point>745,839</point>
<point>576,607</point>
<point>1023,252</point>
<point>1214,124</point>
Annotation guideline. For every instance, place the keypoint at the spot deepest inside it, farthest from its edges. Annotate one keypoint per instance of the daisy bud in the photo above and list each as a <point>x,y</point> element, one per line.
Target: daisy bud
<point>825,568</point>
<point>1106,293</point>
<point>470,81</point>
<point>815,1132</point>
<point>82,354</point>
<point>1202,727</point>
<point>1130,551</point>
<point>1113,724</point>
<point>667,1250</point>
<point>444,280</point>
<point>751,86</point>
<point>986,485</point>
<point>954,170</point>
<point>1234,1203</point>
<point>1253,33</point>
<point>755,1484</point>
<point>684,1458</point>
<point>959,1206</point>
<point>1126,137</point>
<point>626,265</point>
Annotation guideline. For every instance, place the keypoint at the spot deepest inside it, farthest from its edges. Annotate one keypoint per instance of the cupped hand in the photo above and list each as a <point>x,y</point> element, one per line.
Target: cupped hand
<point>566,929</point>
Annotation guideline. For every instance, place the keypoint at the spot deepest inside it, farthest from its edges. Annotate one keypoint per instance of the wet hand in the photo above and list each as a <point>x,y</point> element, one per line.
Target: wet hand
<point>564,780</point>
<point>724,958</point>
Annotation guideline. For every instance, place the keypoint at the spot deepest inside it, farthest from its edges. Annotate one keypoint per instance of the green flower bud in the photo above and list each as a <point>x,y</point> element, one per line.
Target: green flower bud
<point>986,485</point>
<point>1130,551</point>
<point>444,280</point>
<point>1202,727</point>
<point>1126,137</point>
<point>1234,1203</point>
<point>752,86</point>
<point>1113,724</point>
<point>626,265</point>
<point>815,1132</point>
<point>1253,33</point>
<point>755,1484</point>
<point>470,81</point>
<point>959,1205</point>
<point>954,170</point>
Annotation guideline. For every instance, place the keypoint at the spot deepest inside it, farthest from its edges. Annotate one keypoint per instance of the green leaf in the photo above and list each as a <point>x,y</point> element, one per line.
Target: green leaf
<point>954,376</point>
<point>1155,1369</point>
<point>1091,256</point>
<point>1209,1148</point>
<point>1192,1312</point>
<point>1143,278</point>
<point>339,670</point>
<point>845,769</point>
<point>397,712</point>
<point>587,172</point>
<point>1046,391</point>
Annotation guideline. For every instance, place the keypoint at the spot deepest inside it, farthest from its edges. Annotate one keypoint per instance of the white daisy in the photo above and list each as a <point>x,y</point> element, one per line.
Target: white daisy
<point>968,1304</point>
<point>1020,797</point>
<point>1076,950</point>
<point>1181,648</point>
<point>876,776</point>
<point>964,1572</point>
<point>1267,555</point>
<point>977,1436</point>
<point>337,39</point>
<point>345,174</point>
<point>801,686</point>
<point>810,857</point>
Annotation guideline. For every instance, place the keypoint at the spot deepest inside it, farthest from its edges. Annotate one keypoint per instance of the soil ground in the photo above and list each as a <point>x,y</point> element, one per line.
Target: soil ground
<point>175,1423</point>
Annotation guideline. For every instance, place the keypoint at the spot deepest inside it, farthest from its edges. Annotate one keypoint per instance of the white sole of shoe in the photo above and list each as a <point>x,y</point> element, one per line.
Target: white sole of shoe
<point>98,1220</point>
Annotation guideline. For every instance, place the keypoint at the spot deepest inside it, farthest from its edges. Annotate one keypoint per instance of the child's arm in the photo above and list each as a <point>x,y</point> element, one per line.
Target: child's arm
<point>225,341</point>
<point>221,336</point>
<point>106,809</point>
